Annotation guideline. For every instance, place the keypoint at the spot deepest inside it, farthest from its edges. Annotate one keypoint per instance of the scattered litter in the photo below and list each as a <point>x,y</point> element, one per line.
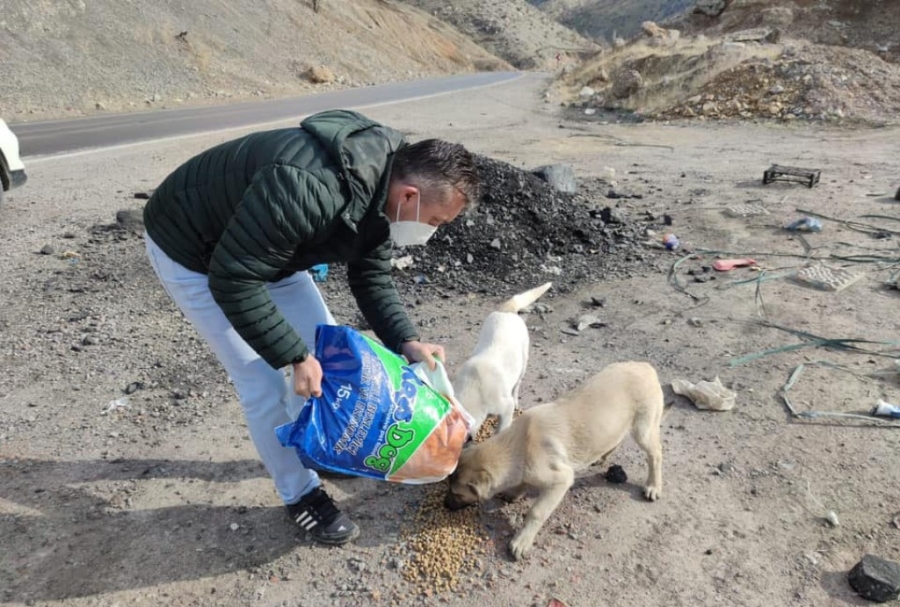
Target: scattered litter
<point>234,526</point>
<point>556,603</point>
<point>319,272</point>
<point>706,395</point>
<point>114,405</point>
<point>401,263</point>
<point>808,177</point>
<point>886,409</point>
<point>587,320</point>
<point>725,265</point>
<point>795,375</point>
<point>134,387</point>
<point>70,255</point>
<point>804,224</point>
<point>832,518</point>
<point>671,242</point>
<point>828,279</point>
<point>897,521</point>
<point>695,322</point>
<point>616,475</point>
<point>745,211</point>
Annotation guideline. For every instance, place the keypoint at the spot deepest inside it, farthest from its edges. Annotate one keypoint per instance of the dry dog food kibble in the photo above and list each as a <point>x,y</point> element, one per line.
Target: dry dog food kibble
<point>443,546</point>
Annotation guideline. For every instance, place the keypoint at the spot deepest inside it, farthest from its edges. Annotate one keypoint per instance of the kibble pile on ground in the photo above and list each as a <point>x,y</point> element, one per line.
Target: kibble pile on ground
<point>444,545</point>
<point>524,232</point>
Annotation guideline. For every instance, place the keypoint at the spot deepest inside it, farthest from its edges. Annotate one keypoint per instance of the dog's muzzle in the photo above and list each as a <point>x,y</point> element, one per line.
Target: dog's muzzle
<point>452,502</point>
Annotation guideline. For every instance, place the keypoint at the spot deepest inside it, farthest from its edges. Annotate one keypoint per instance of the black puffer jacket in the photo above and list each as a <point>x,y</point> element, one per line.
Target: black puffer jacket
<point>256,209</point>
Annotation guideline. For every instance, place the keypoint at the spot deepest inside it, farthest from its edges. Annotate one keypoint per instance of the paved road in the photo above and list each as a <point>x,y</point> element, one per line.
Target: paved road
<point>53,137</point>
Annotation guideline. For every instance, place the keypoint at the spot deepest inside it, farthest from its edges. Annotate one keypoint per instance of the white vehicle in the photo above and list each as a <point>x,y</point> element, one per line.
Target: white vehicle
<point>12,171</point>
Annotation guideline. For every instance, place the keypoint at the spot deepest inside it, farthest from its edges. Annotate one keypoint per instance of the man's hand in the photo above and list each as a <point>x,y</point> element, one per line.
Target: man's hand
<point>308,377</point>
<point>416,351</point>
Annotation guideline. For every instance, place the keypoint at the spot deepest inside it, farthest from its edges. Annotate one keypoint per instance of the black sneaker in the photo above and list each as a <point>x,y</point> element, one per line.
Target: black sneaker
<point>317,514</point>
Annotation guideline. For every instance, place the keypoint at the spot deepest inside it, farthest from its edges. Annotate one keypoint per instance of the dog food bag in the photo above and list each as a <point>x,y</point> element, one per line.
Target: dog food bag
<point>377,417</point>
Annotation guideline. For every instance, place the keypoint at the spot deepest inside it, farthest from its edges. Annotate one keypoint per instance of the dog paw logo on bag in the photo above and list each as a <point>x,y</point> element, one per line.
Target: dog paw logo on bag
<point>405,396</point>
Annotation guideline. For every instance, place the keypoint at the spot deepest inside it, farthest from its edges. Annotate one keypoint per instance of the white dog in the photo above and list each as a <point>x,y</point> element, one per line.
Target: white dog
<point>488,382</point>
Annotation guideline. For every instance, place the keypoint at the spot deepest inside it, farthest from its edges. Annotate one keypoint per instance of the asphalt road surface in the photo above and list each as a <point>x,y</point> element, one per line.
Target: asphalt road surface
<point>59,136</point>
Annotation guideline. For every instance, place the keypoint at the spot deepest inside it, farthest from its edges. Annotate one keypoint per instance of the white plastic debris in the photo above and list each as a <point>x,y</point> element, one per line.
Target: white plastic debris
<point>401,263</point>
<point>707,395</point>
<point>114,405</point>
<point>886,409</point>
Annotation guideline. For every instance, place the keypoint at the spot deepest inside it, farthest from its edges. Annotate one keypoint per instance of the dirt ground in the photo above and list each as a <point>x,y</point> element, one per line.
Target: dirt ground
<point>160,500</point>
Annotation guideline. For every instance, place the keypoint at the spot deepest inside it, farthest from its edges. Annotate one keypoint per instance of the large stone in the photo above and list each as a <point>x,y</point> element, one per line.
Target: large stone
<point>560,176</point>
<point>320,74</point>
<point>710,8</point>
<point>876,579</point>
<point>777,16</point>
<point>651,29</point>
<point>897,195</point>
<point>627,83</point>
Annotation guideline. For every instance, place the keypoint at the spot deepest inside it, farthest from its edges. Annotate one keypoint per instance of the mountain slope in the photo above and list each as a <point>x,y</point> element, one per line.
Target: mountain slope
<point>68,58</point>
<point>604,19</point>
<point>511,29</point>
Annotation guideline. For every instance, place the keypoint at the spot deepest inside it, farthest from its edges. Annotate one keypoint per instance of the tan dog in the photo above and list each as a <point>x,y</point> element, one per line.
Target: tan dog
<point>549,443</point>
<point>488,382</point>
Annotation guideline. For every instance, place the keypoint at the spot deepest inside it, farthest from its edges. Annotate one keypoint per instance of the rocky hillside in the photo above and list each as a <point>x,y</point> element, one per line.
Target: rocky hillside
<point>511,29</point>
<point>832,60</point>
<point>75,57</point>
<point>871,25</point>
<point>609,19</point>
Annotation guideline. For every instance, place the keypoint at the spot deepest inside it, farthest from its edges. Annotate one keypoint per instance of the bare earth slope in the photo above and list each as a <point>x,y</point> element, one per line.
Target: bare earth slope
<point>834,60</point>
<point>62,59</point>
<point>605,19</point>
<point>512,29</point>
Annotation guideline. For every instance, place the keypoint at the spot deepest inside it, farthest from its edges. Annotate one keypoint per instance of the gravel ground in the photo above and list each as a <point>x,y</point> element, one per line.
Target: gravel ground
<point>159,499</point>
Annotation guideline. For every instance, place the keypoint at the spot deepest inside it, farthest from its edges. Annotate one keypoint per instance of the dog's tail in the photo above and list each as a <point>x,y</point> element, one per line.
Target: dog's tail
<point>518,302</point>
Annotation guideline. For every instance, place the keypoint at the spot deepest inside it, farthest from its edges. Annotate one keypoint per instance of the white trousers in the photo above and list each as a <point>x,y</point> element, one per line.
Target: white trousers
<point>266,396</point>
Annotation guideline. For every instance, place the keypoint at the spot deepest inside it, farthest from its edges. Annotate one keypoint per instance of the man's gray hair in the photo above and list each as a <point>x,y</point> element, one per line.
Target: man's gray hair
<point>434,164</point>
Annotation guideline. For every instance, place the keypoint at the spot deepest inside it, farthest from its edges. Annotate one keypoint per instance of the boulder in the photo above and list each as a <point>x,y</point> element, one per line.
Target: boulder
<point>653,30</point>
<point>627,83</point>
<point>320,74</point>
<point>560,176</point>
<point>876,579</point>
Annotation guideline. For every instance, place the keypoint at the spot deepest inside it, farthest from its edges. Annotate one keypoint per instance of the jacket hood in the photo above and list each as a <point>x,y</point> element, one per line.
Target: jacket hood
<point>363,148</point>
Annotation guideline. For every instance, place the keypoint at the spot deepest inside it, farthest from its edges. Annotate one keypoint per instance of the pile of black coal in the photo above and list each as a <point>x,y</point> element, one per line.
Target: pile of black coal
<point>524,232</point>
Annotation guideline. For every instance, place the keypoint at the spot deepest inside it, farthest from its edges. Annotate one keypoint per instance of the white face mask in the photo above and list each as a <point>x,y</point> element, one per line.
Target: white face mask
<point>411,233</point>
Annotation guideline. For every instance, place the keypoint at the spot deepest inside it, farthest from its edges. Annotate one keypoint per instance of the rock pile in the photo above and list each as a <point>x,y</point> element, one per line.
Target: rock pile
<point>809,83</point>
<point>524,232</point>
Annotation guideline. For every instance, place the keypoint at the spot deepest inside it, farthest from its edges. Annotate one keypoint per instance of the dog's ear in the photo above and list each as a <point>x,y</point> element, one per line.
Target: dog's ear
<point>480,485</point>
